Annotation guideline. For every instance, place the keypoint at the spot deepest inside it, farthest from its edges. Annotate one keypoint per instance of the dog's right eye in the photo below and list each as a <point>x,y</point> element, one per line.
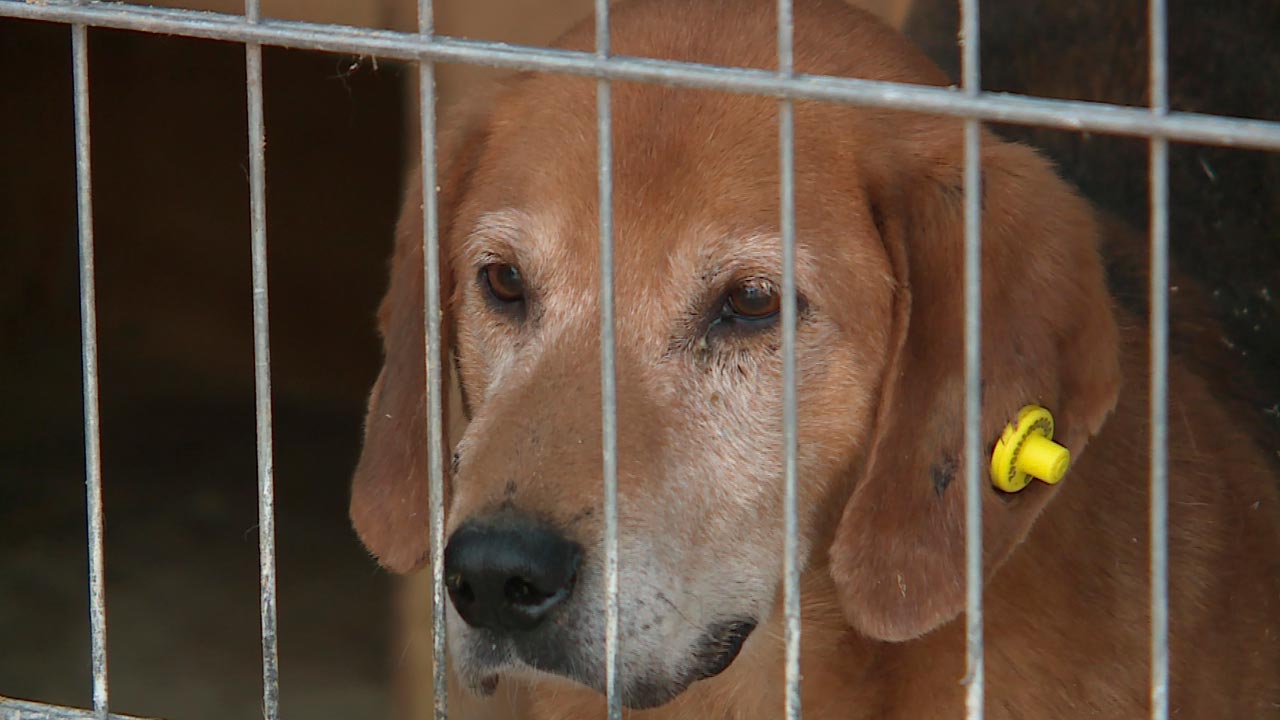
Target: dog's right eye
<point>503,282</point>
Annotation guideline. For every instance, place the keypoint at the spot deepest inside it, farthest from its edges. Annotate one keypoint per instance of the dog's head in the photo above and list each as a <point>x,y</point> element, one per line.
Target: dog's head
<point>698,355</point>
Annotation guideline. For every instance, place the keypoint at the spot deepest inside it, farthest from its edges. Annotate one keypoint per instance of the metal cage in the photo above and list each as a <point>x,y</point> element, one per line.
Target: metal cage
<point>426,48</point>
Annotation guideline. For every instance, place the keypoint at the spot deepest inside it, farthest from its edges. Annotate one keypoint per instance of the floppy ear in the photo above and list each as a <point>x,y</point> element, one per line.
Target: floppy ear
<point>389,506</point>
<point>1048,337</point>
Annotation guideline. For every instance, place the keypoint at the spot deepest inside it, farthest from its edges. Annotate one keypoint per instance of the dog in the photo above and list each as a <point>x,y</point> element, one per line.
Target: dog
<point>879,350</point>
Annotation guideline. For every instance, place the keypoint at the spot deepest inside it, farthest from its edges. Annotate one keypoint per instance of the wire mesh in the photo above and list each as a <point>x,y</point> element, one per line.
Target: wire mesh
<point>991,107</point>
<point>426,48</point>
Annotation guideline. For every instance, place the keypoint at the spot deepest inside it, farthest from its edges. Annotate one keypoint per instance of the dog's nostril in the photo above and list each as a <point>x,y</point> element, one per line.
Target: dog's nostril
<point>508,572</point>
<point>459,588</point>
<point>520,592</point>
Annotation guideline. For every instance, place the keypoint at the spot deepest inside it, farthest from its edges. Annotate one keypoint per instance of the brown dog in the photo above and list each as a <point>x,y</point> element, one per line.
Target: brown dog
<point>879,214</point>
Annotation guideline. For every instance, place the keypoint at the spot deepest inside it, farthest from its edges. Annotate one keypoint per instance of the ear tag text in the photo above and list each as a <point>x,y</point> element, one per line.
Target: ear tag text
<point>1026,450</point>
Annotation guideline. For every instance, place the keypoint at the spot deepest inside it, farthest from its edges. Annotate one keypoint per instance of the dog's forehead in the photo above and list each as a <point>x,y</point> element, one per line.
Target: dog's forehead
<point>690,169</point>
<point>695,191</point>
<point>687,158</point>
<point>679,156</point>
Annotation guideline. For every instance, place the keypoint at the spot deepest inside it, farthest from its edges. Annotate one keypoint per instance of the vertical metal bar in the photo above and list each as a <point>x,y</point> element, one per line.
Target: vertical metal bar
<point>975,673</point>
<point>434,362</point>
<point>608,378</point>
<point>89,368</point>
<point>1159,370</point>
<point>262,374</point>
<point>787,212</point>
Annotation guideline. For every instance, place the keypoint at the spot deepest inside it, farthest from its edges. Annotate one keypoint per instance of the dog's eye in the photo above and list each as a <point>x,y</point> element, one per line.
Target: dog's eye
<point>504,282</point>
<point>756,299</point>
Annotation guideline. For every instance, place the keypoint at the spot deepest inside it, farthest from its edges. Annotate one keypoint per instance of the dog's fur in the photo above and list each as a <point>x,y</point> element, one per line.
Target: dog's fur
<point>879,352</point>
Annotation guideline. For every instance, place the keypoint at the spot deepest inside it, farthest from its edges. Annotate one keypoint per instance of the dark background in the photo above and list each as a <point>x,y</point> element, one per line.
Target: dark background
<point>176,364</point>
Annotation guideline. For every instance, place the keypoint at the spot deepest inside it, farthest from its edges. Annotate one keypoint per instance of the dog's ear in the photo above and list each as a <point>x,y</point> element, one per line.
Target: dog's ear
<point>389,506</point>
<point>1048,337</point>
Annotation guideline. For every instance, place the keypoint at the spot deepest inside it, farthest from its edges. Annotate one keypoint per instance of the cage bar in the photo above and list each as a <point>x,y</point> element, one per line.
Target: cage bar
<point>434,367</point>
<point>787,220</point>
<point>14,709</point>
<point>608,366</point>
<point>89,368</point>
<point>262,373</point>
<point>1159,322</point>
<point>974,487</point>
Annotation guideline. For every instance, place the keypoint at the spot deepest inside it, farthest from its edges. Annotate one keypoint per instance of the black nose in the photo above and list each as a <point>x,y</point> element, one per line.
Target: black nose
<point>507,572</point>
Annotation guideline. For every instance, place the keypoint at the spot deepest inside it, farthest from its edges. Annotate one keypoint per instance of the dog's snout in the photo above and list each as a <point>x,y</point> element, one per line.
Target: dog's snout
<point>508,573</point>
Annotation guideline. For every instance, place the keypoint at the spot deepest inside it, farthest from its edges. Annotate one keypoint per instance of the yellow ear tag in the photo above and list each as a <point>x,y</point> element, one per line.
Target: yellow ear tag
<point>1026,450</point>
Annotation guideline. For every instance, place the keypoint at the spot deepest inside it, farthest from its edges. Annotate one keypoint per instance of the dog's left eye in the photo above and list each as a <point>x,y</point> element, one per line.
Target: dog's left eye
<point>754,300</point>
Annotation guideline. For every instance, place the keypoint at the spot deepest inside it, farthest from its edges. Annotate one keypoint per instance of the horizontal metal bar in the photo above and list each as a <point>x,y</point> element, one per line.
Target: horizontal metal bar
<point>995,107</point>
<point>14,709</point>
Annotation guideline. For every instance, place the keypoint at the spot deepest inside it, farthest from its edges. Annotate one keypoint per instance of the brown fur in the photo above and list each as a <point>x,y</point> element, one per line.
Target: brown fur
<point>881,404</point>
